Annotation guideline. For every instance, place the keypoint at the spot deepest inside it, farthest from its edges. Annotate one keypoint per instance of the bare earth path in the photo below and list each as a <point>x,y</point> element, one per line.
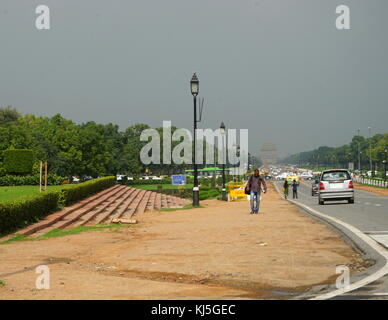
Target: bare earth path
<point>217,252</point>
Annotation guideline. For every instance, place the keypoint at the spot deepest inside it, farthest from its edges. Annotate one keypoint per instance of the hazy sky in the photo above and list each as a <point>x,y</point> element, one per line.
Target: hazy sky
<point>279,68</point>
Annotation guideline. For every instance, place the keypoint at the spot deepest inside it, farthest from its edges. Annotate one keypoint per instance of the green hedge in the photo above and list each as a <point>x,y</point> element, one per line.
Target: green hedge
<point>17,214</point>
<point>139,182</point>
<point>31,180</point>
<point>18,161</point>
<point>76,192</point>
<point>204,192</point>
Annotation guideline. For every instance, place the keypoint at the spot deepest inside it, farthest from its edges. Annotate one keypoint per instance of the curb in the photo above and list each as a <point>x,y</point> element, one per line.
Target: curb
<point>359,240</point>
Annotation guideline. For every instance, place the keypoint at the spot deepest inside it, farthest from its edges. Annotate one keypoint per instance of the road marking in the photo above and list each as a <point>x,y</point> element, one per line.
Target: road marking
<point>378,205</point>
<point>367,203</point>
<point>380,238</point>
<point>368,240</point>
<point>376,232</point>
<point>376,294</point>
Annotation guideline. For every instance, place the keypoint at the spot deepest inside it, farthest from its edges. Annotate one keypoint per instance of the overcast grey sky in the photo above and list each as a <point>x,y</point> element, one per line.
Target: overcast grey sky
<point>279,68</point>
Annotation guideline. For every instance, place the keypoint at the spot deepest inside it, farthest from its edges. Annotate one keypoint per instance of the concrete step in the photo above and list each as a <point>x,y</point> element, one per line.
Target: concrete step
<point>53,218</point>
<point>119,211</point>
<point>108,206</point>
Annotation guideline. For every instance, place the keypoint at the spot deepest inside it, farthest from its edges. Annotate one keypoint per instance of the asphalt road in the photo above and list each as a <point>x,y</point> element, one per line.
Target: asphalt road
<point>369,214</point>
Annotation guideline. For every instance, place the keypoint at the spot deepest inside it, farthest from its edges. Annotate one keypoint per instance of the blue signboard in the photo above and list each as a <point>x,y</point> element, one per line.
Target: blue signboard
<point>178,180</point>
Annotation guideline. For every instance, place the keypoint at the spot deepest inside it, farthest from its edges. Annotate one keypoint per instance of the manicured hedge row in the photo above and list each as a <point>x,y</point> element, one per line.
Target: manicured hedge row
<point>204,192</point>
<point>17,214</point>
<point>32,180</point>
<point>14,215</point>
<point>139,182</point>
<point>76,192</point>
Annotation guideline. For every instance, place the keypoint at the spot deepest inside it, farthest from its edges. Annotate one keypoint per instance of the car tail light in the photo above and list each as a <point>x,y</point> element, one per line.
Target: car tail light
<point>351,185</point>
<point>321,186</point>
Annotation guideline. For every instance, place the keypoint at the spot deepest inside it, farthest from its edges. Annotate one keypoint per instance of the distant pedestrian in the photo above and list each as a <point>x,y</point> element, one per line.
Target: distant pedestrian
<point>285,188</point>
<point>255,184</point>
<point>294,189</point>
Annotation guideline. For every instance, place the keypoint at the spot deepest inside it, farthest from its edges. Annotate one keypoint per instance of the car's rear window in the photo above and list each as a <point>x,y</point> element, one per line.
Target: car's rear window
<point>336,176</point>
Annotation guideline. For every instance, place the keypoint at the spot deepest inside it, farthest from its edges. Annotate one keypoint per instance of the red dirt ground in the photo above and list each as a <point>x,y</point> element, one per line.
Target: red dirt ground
<point>216,252</point>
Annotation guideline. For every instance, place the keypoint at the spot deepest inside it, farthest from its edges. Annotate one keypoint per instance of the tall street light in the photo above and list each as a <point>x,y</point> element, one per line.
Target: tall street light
<point>370,152</point>
<point>385,166</point>
<point>222,131</point>
<point>194,86</point>
<point>359,152</point>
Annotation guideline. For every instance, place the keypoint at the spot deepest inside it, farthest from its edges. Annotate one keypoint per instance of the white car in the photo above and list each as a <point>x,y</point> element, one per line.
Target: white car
<point>306,176</point>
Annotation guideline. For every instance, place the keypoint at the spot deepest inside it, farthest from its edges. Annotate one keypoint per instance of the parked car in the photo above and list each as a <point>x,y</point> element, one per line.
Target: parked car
<point>335,185</point>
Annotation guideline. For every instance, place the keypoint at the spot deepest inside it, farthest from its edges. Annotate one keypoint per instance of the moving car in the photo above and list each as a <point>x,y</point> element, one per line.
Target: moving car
<point>335,185</point>
<point>306,176</point>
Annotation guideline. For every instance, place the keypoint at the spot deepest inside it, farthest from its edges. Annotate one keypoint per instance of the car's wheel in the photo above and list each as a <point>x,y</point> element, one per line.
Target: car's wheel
<point>351,201</point>
<point>320,201</point>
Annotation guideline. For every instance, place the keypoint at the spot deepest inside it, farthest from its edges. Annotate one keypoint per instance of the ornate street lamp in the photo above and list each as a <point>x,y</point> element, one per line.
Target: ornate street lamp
<point>223,131</point>
<point>385,167</point>
<point>194,86</point>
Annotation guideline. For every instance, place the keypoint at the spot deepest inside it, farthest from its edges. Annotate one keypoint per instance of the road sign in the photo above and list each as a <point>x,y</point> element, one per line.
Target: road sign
<point>178,180</point>
<point>351,166</point>
<point>236,191</point>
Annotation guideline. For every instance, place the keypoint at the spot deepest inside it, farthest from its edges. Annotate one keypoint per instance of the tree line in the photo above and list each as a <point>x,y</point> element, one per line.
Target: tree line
<point>87,149</point>
<point>359,148</point>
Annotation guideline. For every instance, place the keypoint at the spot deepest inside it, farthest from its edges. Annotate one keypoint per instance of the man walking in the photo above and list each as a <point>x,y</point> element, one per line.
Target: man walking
<point>294,189</point>
<point>254,185</point>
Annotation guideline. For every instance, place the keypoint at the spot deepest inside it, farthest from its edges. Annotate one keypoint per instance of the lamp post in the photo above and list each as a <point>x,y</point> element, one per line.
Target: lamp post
<point>237,165</point>
<point>370,152</point>
<point>359,152</point>
<point>194,86</point>
<point>222,131</point>
<point>385,166</point>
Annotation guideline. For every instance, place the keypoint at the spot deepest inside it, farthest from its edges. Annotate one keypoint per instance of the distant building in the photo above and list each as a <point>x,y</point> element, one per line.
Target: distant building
<point>268,153</point>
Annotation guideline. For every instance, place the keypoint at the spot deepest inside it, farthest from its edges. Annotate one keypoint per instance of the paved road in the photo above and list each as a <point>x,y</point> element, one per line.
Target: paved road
<point>369,214</point>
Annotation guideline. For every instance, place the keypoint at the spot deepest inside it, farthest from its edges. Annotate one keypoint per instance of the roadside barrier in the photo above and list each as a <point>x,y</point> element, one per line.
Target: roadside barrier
<point>236,191</point>
<point>372,182</point>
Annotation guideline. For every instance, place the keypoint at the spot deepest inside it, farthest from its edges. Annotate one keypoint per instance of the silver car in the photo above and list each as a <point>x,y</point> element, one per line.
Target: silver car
<point>335,185</point>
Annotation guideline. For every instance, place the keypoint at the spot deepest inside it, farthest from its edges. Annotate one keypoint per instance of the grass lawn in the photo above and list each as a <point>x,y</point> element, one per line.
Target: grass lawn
<point>55,233</point>
<point>8,194</point>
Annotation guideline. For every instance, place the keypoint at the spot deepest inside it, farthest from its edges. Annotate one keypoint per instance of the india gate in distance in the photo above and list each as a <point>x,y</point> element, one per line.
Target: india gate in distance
<point>268,153</point>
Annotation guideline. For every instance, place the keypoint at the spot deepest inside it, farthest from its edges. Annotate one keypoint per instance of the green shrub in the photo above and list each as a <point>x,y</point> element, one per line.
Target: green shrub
<point>139,182</point>
<point>208,194</point>
<point>17,214</point>
<point>2,170</point>
<point>76,192</point>
<point>30,180</point>
<point>18,161</point>
<point>204,192</point>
